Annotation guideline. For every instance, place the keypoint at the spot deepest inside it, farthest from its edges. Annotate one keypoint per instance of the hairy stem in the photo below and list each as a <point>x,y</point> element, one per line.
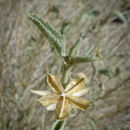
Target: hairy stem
<point>66,75</point>
<point>58,125</point>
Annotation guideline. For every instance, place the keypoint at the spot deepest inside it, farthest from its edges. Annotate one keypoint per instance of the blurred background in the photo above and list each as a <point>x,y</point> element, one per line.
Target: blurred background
<point>26,56</point>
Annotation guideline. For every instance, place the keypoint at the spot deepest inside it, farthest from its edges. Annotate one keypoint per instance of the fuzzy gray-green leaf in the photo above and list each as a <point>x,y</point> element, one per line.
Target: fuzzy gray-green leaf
<point>82,59</point>
<point>53,36</point>
<point>120,15</point>
<point>74,51</point>
<point>91,49</point>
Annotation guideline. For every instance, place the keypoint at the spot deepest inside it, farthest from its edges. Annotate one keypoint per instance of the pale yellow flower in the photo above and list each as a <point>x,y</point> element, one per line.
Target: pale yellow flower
<point>64,100</point>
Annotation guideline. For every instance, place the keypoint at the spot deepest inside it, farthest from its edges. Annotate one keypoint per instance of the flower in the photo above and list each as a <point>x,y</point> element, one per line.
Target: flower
<point>64,100</point>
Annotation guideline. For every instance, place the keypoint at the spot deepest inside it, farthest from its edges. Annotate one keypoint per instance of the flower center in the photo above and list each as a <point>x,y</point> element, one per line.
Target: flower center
<point>63,94</point>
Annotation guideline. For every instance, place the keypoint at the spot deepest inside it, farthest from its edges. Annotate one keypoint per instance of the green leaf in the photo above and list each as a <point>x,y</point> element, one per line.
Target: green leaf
<point>82,59</point>
<point>120,15</point>
<point>74,51</point>
<point>53,36</point>
<point>65,27</point>
<point>106,72</point>
<point>91,49</point>
<point>96,66</point>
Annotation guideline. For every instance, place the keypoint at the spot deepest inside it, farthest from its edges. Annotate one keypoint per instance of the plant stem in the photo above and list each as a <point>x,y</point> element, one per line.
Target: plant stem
<point>58,125</point>
<point>66,75</point>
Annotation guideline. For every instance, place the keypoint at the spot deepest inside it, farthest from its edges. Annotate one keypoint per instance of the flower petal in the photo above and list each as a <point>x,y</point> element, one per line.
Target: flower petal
<point>62,109</point>
<point>75,86</point>
<point>49,99</point>
<point>40,93</point>
<point>79,102</point>
<point>55,84</point>
<point>72,111</point>
<point>81,93</point>
<point>51,107</point>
